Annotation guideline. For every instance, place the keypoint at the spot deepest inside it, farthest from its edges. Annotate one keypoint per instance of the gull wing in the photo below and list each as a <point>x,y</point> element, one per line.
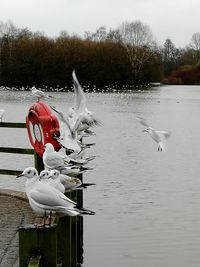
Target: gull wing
<point>45,195</point>
<point>164,134</point>
<point>62,118</point>
<point>53,159</point>
<point>142,121</point>
<point>79,99</point>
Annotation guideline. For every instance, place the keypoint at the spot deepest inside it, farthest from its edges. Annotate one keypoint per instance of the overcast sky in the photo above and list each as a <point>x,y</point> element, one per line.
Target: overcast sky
<point>174,19</point>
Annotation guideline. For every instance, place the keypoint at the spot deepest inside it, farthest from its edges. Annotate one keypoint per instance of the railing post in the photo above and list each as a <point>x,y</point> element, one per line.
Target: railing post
<point>38,162</point>
<point>64,241</point>
<point>38,241</point>
<point>35,261</point>
<point>80,226</point>
<point>74,233</point>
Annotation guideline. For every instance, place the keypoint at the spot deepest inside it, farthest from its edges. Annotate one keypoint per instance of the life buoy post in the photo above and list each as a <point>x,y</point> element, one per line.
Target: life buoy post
<point>42,125</point>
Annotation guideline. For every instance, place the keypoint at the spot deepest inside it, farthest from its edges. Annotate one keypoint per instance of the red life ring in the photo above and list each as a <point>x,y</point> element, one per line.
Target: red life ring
<point>42,125</point>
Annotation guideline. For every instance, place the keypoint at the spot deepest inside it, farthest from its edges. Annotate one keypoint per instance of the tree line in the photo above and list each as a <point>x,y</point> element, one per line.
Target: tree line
<point>126,56</point>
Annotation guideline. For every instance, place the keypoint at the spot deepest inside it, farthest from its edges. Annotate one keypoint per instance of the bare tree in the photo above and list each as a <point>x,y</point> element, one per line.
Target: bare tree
<point>99,36</point>
<point>138,42</point>
<point>64,34</point>
<point>195,45</point>
<point>114,36</point>
<point>8,31</point>
<point>170,57</point>
<point>195,42</point>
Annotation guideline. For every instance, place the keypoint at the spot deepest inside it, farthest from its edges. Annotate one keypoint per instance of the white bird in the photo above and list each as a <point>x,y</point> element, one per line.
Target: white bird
<point>158,136</point>
<point>73,170</point>
<point>72,183</point>
<point>43,198</point>
<point>38,93</point>
<point>2,113</point>
<point>67,139</point>
<point>81,118</point>
<point>53,159</point>
<point>54,180</point>
<point>69,182</point>
<point>44,175</point>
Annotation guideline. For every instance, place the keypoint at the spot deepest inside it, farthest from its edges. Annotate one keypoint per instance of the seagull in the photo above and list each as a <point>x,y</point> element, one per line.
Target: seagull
<point>2,112</point>
<point>72,183</point>
<point>81,118</point>
<point>73,170</point>
<point>43,198</point>
<point>53,159</point>
<point>68,182</point>
<point>67,139</point>
<point>44,175</point>
<point>38,93</point>
<point>158,136</point>
<point>54,180</point>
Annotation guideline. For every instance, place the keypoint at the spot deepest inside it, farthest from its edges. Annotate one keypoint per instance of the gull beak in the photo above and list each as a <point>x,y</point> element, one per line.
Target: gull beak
<point>20,175</point>
<point>145,130</point>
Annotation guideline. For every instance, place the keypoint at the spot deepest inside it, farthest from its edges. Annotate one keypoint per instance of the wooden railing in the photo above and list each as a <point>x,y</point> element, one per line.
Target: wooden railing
<point>58,245</point>
<point>14,150</point>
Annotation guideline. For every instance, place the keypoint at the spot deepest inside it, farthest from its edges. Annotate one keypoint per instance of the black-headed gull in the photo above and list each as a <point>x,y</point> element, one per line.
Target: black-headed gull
<point>44,198</point>
<point>38,93</point>
<point>81,118</point>
<point>158,136</point>
<point>54,160</point>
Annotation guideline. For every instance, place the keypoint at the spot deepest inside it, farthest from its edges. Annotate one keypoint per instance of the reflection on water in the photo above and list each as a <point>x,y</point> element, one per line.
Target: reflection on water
<point>146,202</point>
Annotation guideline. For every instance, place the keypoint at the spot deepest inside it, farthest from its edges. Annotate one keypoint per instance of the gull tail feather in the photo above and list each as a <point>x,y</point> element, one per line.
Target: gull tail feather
<point>85,185</point>
<point>72,212</point>
<point>90,158</point>
<point>84,211</point>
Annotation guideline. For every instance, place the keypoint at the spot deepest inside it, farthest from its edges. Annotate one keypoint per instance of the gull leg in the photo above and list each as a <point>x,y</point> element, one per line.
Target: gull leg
<point>49,219</point>
<point>42,224</point>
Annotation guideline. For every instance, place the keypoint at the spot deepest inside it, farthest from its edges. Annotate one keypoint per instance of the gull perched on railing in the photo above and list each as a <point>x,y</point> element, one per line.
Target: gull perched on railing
<point>54,160</point>
<point>44,176</point>
<point>73,170</point>
<point>38,93</point>
<point>54,180</point>
<point>158,136</point>
<point>69,183</point>
<point>44,199</point>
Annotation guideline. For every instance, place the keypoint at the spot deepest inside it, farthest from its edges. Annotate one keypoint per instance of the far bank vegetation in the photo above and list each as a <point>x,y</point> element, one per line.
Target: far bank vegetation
<point>116,58</point>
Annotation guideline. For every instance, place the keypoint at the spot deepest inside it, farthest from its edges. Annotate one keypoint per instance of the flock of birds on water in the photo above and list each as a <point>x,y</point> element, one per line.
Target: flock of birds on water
<point>46,190</point>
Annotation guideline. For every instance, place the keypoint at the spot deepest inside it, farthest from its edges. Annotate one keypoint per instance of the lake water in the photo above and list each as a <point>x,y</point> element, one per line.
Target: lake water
<point>146,202</point>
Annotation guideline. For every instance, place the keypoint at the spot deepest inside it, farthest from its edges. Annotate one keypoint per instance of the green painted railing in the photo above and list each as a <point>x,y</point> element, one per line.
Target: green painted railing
<point>13,124</point>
